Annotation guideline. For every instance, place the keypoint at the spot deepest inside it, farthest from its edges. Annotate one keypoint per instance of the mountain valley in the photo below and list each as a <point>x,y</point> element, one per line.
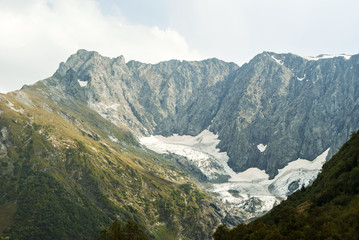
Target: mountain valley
<point>178,146</point>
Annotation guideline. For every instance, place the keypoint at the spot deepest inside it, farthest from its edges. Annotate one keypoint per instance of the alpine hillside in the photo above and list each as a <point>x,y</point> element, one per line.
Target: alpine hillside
<point>66,173</point>
<point>178,146</point>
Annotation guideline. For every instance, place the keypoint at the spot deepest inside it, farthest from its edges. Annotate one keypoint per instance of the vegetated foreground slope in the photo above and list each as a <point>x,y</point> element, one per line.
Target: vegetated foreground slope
<point>65,172</point>
<point>329,209</point>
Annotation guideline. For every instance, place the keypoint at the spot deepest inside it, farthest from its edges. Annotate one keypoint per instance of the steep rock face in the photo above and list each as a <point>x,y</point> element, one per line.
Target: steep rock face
<point>147,98</point>
<point>297,107</point>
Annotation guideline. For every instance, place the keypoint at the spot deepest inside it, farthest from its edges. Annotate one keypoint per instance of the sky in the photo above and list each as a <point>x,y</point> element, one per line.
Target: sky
<point>36,35</point>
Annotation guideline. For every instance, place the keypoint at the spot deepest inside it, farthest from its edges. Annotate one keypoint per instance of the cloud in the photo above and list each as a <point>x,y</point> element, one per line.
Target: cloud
<point>236,30</point>
<point>38,34</point>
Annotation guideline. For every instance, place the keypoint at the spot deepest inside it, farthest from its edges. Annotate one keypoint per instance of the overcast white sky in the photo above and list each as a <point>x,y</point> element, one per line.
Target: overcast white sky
<point>36,35</point>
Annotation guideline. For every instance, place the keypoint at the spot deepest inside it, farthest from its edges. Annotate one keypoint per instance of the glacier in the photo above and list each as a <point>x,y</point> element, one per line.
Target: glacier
<point>250,192</point>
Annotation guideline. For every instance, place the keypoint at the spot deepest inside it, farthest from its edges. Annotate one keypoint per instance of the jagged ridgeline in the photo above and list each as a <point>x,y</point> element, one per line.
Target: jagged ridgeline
<point>329,209</point>
<point>297,107</point>
<point>65,173</point>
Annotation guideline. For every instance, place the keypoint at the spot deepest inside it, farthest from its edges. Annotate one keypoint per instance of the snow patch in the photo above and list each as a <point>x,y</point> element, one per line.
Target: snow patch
<point>325,56</point>
<point>82,83</point>
<point>277,60</point>
<point>301,79</point>
<point>200,151</point>
<point>261,147</point>
<point>113,139</point>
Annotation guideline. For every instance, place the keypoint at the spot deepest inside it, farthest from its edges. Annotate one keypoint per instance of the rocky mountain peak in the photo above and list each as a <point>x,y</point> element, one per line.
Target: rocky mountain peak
<point>292,104</point>
<point>145,97</point>
<point>85,60</point>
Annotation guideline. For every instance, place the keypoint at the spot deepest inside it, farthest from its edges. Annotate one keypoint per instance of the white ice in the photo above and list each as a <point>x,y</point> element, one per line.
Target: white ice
<point>255,183</point>
<point>347,57</point>
<point>277,60</point>
<point>261,147</point>
<point>82,83</point>
<point>250,175</point>
<point>300,170</point>
<point>201,152</point>
<point>301,79</point>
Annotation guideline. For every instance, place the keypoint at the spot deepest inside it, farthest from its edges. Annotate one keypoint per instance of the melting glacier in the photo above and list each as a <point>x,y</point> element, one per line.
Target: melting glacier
<point>250,192</point>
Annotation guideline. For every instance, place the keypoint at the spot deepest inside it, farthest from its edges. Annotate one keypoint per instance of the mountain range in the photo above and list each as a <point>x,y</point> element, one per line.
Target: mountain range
<point>71,158</point>
<point>283,101</point>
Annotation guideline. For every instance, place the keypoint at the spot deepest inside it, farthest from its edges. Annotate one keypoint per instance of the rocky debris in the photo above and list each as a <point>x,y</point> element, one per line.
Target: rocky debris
<point>253,205</point>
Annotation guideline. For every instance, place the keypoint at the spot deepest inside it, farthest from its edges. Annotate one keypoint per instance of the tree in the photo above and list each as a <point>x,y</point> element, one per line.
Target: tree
<point>131,231</point>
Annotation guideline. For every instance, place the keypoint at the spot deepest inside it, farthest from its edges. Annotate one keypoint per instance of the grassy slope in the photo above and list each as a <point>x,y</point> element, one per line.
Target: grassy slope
<point>62,177</point>
<point>329,209</point>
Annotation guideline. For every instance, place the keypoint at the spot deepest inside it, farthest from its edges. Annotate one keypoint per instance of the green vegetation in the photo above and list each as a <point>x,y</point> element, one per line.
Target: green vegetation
<point>131,231</point>
<point>329,209</point>
<point>7,212</point>
<point>62,177</point>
